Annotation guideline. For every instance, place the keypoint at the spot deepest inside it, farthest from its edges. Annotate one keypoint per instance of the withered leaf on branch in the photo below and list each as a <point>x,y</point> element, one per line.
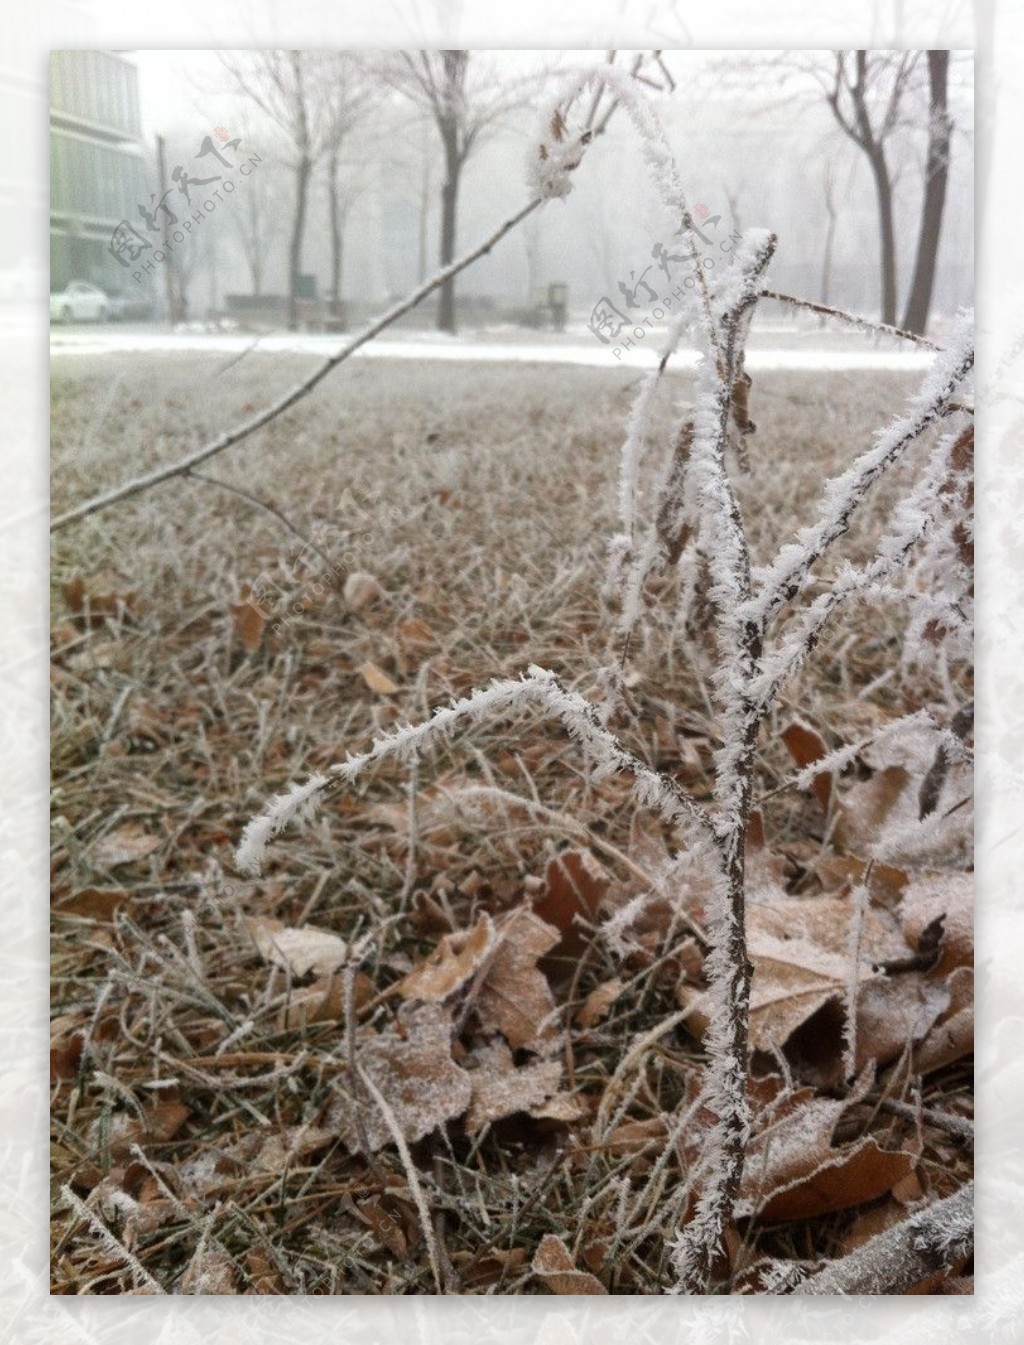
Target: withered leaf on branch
<point>805,747</point>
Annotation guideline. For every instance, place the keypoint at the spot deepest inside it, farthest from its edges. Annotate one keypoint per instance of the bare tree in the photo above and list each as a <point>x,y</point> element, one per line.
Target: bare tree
<point>304,94</point>
<point>865,93</point>
<point>936,178</point>
<point>463,110</point>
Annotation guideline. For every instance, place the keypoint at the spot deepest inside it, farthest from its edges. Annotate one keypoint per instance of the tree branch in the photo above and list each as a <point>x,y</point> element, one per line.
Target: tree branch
<point>894,1261</point>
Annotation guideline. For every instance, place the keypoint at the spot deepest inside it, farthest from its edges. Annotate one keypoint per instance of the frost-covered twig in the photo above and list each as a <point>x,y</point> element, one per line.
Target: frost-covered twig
<point>537,687</point>
<point>932,1240</point>
<point>854,320</point>
<point>786,575</point>
<point>912,519</point>
<point>727,967</point>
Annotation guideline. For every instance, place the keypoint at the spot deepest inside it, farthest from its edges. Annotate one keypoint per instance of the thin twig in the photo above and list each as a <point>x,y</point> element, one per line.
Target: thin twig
<point>866,324</point>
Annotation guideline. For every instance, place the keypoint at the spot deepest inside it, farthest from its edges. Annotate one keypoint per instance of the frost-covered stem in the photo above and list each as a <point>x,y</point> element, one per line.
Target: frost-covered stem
<point>537,687</point>
<point>854,320</point>
<point>914,517</point>
<point>843,496</point>
<point>728,966</point>
<point>893,1262</point>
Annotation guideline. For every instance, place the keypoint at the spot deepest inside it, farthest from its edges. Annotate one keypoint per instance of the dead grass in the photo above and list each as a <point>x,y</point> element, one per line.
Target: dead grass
<point>188,1095</point>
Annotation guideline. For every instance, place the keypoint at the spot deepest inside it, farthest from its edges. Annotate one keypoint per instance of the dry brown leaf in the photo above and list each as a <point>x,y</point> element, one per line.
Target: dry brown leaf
<point>799,950</point>
<point>515,997</point>
<point>553,1264</point>
<point>126,845</point>
<point>598,1003</point>
<point>411,1066</point>
<point>806,746</point>
<point>378,680</point>
<point>385,1226</point>
<point>416,634</point>
<point>477,1272</point>
<point>322,1001</point>
<point>361,589</point>
<point>248,624</point>
<point>105,593</point>
<point>867,806</point>
<point>930,895</point>
<point>500,1088</point>
<point>953,1037</point>
<point>574,885</point>
<point>211,1271</point>
<point>290,1146</point>
<point>637,1137</point>
<point>299,951</point>
<point>793,1172</point>
<point>94,903</point>
<point>450,965</point>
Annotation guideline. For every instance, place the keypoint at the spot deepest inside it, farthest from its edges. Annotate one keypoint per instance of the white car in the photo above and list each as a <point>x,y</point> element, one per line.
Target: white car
<point>79,302</point>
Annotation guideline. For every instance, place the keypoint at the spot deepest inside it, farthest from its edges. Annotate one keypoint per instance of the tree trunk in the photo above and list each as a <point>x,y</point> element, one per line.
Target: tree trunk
<point>886,232</point>
<point>303,171</point>
<point>940,128</point>
<point>335,230</point>
<point>449,205</point>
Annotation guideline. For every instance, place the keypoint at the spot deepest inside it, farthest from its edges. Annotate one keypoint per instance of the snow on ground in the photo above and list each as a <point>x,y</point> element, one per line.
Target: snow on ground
<point>583,350</point>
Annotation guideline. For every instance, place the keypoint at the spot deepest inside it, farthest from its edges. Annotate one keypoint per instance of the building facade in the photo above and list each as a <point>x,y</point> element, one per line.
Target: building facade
<point>97,166</point>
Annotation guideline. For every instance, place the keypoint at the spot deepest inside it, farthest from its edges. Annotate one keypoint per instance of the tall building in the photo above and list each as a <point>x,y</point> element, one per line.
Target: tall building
<point>97,170</point>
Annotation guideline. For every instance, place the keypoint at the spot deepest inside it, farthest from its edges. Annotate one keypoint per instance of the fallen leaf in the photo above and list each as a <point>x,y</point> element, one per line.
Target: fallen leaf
<point>515,997</point>
<point>322,1001</point>
<point>952,1037</point>
<point>211,1271</point>
<point>793,1171</point>
<point>385,1226</point>
<point>416,634</point>
<point>411,1066</point>
<point>598,1003</point>
<point>500,1088</point>
<point>290,1146</point>
<point>105,593</point>
<point>299,951</point>
<point>247,625</point>
<point>378,680</point>
<point>126,845</point>
<point>450,965</point>
<point>930,895</point>
<point>574,885</point>
<point>94,903</point>
<point>477,1272</point>
<point>553,1264</point>
<point>361,589</point>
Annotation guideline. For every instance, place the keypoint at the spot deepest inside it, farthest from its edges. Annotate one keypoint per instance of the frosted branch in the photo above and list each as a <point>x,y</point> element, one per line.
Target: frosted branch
<point>784,578</point>
<point>537,687</point>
